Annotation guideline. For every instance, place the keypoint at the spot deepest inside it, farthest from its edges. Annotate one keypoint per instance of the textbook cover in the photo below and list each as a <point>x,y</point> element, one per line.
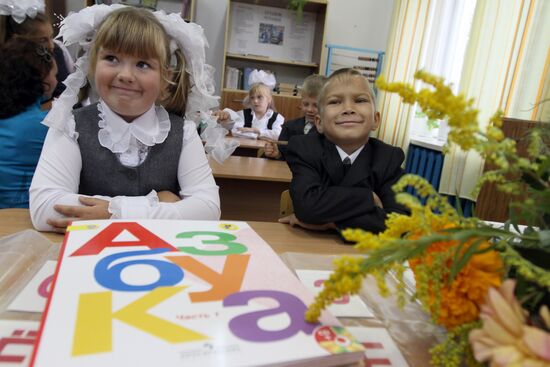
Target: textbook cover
<point>180,293</point>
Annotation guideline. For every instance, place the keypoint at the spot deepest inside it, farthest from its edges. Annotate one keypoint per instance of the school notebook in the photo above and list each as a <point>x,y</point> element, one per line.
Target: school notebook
<point>180,293</point>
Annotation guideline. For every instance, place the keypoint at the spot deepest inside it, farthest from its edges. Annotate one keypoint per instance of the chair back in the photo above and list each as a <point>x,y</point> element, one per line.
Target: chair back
<point>286,207</point>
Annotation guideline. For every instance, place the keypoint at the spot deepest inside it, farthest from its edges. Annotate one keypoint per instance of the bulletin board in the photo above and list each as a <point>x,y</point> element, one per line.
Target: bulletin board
<point>271,32</point>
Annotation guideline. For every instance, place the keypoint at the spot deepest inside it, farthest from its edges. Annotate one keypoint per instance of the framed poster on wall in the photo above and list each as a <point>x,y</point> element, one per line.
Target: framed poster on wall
<point>271,32</point>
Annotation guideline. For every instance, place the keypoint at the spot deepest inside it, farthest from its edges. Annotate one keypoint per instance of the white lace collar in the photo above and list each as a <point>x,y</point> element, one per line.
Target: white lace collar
<point>116,134</point>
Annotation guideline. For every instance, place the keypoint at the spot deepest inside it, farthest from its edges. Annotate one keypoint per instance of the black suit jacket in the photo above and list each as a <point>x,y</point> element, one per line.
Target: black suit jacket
<point>322,194</point>
<point>292,128</point>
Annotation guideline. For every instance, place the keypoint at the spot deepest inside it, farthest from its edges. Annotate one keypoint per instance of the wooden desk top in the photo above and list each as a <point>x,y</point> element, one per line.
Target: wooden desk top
<point>249,168</point>
<point>281,237</point>
<point>247,143</point>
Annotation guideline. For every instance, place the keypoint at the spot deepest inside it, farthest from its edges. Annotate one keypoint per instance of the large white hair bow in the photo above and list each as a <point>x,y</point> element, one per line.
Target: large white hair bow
<point>80,28</point>
<point>261,76</point>
<point>20,9</point>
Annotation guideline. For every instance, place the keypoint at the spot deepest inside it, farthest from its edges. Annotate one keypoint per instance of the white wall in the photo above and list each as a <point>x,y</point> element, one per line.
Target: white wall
<point>354,23</point>
<point>359,23</point>
<point>210,14</point>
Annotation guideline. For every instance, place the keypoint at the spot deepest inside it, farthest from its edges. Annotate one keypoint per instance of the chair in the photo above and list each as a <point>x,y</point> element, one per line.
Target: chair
<point>286,207</point>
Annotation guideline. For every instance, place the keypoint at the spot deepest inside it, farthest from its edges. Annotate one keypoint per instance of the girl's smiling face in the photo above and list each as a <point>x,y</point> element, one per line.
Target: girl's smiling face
<point>129,85</point>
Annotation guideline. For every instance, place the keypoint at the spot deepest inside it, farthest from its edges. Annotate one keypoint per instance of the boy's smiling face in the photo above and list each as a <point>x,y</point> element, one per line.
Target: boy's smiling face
<point>308,105</point>
<point>348,113</point>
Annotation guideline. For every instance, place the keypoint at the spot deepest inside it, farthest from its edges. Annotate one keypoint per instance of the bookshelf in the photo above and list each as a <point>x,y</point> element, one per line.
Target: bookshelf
<point>170,6</point>
<point>292,50</point>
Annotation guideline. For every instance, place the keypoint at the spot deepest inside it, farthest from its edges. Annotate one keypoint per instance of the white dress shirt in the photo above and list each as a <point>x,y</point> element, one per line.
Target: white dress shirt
<point>57,176</point>
<point>237,121</point>
<point>352,157</point>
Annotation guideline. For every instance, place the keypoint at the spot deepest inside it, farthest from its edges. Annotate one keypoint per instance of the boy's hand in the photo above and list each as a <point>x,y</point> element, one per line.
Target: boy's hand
<point>377,201</point>
<point>271,150</point>
<point>168,197</point>
<point>222,116</point>
<point>93,209</point>
<point>293,221</point>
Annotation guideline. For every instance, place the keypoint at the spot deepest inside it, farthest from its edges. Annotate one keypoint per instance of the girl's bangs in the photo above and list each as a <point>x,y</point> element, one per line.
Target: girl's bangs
<point>136,39</point>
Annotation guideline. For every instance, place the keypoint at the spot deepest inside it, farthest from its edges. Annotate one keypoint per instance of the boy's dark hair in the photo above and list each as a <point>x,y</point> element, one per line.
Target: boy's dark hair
<point>23,66</point>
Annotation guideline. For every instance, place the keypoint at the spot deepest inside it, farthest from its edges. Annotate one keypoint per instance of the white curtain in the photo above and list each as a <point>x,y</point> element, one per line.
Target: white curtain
<point>404,55</point>
<point>506,67</point>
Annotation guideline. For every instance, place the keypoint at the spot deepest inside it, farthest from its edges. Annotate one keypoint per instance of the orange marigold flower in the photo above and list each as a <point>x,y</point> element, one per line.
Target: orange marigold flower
<point>459,301</point>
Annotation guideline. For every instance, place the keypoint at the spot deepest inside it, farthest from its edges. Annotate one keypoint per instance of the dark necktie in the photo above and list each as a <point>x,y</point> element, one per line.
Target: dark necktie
<point>347,165</point>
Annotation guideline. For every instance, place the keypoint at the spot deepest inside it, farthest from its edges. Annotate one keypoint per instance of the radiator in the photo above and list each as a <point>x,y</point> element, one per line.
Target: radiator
<point>428,163</point>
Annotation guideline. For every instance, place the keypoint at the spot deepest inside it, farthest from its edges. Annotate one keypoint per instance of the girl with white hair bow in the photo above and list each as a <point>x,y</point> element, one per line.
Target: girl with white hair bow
<point>136,152</point>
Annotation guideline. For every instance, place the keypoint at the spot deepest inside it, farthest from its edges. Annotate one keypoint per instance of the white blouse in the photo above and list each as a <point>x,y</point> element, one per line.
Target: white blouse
<point>237,119</point>
<point>57,176</point>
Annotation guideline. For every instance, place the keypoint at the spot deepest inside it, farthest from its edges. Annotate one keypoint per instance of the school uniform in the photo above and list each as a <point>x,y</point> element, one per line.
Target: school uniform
<point>21,140</point>
<point>323,190</point>
<point>102,155</point>
<point>247,118</point>
<point>292,128</point>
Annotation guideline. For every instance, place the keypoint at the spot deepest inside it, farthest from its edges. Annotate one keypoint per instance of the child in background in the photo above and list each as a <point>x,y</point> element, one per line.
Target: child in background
<point>258,121</point>
<point>27,77</point>
<point>125,156</point>
<point>27,19</point>
<point>342,178</point>
<point>303,125</point>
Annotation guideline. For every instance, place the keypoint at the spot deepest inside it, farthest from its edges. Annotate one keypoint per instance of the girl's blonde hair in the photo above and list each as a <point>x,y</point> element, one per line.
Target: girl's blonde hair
<point>259,88</point>
<point>137,32</point>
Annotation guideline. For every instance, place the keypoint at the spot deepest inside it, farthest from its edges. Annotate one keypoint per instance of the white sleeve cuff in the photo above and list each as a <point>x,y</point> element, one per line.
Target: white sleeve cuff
<point>133,207</point>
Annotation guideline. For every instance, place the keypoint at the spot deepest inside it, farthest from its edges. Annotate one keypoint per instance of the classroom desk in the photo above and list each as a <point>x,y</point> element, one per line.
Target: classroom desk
<point>281,237</point>
<point>247,147</point>
<point>250,188</point>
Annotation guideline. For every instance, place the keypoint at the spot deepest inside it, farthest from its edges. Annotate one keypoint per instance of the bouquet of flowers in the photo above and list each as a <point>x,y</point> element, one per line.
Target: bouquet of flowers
<point>487,286</point>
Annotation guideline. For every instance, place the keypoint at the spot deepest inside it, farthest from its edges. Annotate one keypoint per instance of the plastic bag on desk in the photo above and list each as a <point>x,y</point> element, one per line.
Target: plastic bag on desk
<point>214,137</point>
<point>22,255</point>
<point>410,327</point>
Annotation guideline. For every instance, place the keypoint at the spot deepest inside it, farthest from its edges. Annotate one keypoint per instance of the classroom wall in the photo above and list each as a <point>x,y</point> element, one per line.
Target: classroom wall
<point>355,23</point>
<point>359,23</point>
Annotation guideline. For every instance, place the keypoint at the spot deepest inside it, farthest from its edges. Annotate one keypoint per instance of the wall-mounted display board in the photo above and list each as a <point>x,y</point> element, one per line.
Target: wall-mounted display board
<point>271,32</point>
<point>264,34</point>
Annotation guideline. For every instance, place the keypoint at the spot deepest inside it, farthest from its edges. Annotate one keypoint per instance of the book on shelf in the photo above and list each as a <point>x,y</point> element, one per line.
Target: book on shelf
<point>178,293</point>
<point>233,77</point>
<point>287,88</point>
<point>246,76</point>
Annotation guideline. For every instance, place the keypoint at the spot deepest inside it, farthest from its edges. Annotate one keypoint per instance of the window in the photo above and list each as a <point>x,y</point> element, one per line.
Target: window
<point>451,23</point>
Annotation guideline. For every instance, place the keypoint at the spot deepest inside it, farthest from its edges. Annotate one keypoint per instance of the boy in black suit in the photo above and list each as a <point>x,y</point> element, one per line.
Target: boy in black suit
<point>304,125</point>
<point>341,178</point>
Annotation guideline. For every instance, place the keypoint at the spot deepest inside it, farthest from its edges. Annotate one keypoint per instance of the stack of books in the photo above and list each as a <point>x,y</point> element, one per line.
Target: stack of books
<point>286,88</point>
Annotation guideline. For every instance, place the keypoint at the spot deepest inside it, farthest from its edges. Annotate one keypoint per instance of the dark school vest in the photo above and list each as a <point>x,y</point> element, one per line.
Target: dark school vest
<point>103,174</point>
<point>248,118</point>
